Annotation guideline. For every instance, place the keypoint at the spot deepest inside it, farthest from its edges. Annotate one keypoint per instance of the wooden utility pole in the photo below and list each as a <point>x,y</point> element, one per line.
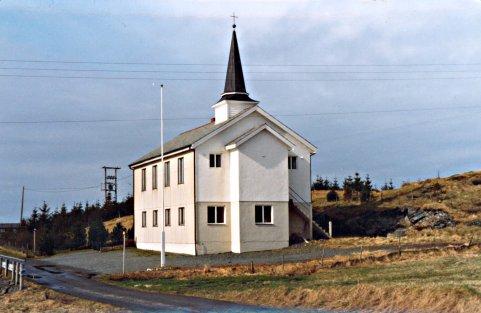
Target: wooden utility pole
<point>21,206</point>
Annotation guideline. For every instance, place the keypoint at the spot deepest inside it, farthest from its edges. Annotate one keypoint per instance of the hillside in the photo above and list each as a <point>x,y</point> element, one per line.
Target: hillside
<point>456,198</point>
<point>126,221</point>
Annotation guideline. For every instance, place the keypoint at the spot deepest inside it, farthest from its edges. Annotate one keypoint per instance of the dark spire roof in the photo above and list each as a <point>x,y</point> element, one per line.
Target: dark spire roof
<point>235,88</point>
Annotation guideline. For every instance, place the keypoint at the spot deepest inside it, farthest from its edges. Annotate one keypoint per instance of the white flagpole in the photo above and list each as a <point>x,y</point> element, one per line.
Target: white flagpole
<point>162,238</point>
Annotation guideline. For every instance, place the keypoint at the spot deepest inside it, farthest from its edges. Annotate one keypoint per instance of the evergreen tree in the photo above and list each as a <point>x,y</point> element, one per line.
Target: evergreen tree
<point>46,242</point>
<point>347,186</point>
<point>335,184</point>
<point>332,196</point>
<point>391,185</point>
<point>366,189</point>
<point>385,186</point>
<point>116,237</point>
<point>78,236</point>
<point>44,216</point>
<point>97,234</point>
<point>33,221</point>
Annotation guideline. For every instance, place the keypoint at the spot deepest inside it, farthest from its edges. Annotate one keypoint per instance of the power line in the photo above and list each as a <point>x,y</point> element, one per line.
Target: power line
<point>221,64</point>
<point>223,72</point>
<point>223,79</point>
<point>276,115</point>
<point>59,190</point>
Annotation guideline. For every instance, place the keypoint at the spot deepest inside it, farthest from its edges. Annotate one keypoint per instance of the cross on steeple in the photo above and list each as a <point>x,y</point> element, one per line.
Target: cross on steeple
<point>233,19</point>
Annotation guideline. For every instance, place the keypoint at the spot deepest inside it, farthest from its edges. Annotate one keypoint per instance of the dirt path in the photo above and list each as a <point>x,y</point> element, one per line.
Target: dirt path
<point>80,283</point>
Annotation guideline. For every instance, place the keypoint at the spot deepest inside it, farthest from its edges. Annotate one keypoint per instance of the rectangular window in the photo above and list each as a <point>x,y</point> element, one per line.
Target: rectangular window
<point>167,217</point>
<point>144,179</point>
<point>180,171</point>
<point>263,214</point>
<point>181,217</point>
<point>292,162</point>
<point>154,177</point>
<point>166,174</point>
<point>155,216</point>
<point>215,215</point>
<point>215,160</point>
<point>144,219</point>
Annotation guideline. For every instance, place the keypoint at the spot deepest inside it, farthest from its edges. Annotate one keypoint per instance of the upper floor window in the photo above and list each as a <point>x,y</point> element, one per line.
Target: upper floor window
<point>154,177</point>
<point>144,179</point>
<point>166,174</point>
<point>180,171</point>
<point>167,217</point>
<point>144,218</point>
<point>181,216</point>
<point>215,215</point>
<point>263,214</point>
<point>215,160</point>
<point>155,217</point>
<point>292,162</point>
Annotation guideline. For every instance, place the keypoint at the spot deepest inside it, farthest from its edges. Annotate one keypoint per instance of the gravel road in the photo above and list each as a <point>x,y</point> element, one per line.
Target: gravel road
<point>111,261</point>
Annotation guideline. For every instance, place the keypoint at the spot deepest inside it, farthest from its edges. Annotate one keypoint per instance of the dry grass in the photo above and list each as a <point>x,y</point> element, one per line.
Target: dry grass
<point>126,221</point>
<point>12,252</point>
<point>297,268</point>
<point>439,280</point>
<point>36,298</point>
<point>458,195</point>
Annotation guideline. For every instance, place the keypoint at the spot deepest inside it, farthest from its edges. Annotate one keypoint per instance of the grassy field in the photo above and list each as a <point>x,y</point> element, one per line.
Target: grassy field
<point>434,281</point>
<point>12,252</point>
<point>36,298</point>
<point>126,221</point>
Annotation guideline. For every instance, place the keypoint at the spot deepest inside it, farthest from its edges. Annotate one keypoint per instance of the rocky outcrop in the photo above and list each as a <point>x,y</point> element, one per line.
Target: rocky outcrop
<point>428,218</point>
<point>376,222</point>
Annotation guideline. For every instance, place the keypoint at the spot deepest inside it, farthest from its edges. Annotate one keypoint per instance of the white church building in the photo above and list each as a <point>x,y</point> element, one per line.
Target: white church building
<point>238,183</point>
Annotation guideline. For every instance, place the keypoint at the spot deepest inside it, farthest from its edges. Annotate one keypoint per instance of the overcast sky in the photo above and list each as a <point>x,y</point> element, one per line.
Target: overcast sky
<point>422,58</point>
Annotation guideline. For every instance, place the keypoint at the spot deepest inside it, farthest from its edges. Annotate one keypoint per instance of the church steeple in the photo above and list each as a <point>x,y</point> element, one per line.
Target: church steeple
<point>235,88</point>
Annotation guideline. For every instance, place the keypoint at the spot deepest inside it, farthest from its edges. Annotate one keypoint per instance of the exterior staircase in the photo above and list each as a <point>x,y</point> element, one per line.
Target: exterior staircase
<point>304,208</point>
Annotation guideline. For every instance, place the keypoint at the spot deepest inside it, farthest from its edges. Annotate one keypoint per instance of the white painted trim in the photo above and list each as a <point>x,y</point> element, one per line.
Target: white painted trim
<point>312,148</point>
<point>180,248</point>
<point>158,158</point>
<point>256,108</point>
<point>257,131</point>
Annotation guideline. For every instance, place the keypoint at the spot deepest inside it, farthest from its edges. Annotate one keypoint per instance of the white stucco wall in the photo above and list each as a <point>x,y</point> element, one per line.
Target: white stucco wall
<point>213,183</point>
<point>179,239</point>
<point>213,238</point>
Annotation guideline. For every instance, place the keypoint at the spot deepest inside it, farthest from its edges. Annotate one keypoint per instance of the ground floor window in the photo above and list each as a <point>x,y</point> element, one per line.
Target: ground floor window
<point>215,215</point>
<point>144,218</point>
<point>167,217</point>
<point>181,216</point>
<point>263,214</point>
<point>155,218</point>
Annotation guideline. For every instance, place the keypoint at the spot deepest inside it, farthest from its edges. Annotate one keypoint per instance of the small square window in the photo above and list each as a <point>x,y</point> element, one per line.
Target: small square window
<point>215,215</point>
<point>215,160</point>
<point>263,214</point>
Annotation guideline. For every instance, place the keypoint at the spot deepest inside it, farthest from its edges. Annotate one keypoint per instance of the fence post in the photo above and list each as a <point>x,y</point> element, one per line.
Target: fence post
<point>17,266</point>
<point>330,229</point>
<point>6,268</point>
<point>20,283</point>
<point>12,279</point>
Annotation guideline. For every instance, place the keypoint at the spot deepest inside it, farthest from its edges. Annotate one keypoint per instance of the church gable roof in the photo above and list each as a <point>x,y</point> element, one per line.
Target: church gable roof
<point>254,132</point>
